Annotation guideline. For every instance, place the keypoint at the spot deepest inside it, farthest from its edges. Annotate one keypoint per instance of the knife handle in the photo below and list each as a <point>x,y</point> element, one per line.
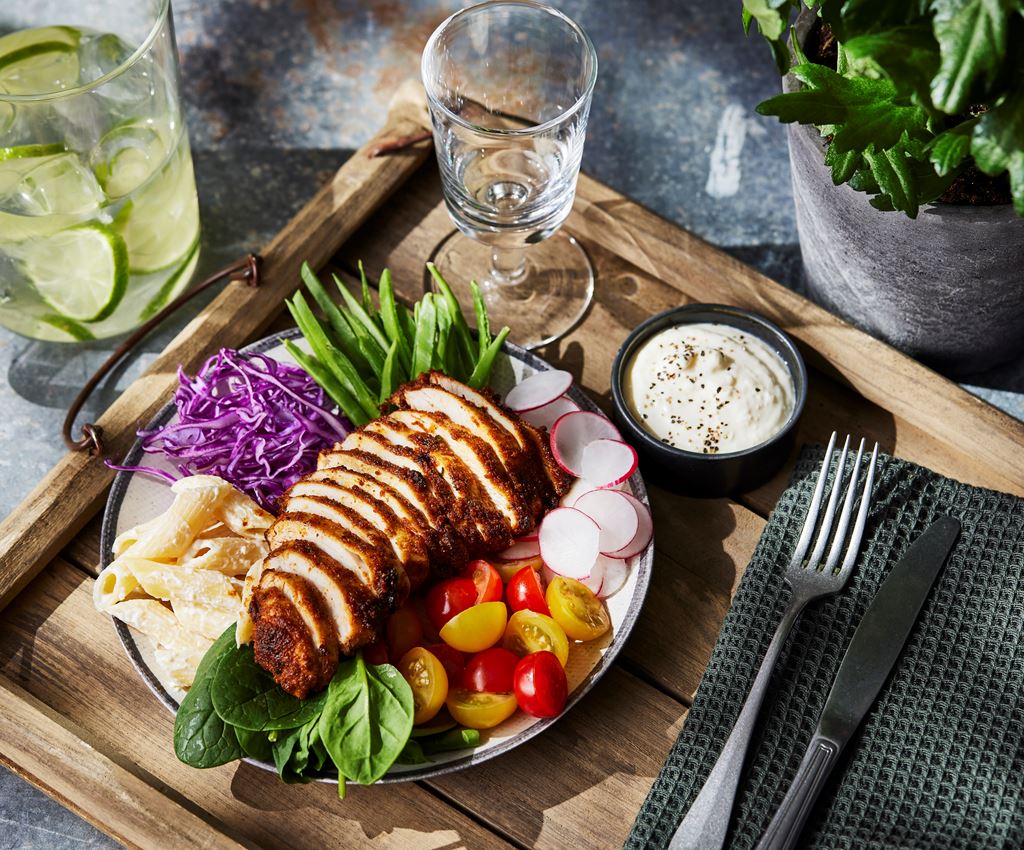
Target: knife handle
<point>792,814</point>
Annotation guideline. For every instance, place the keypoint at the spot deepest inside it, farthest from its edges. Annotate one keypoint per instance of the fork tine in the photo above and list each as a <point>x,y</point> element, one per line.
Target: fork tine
<point>812,511</point>
<point>844,520</point>
<point>830,509</point>
<point>858,528</point>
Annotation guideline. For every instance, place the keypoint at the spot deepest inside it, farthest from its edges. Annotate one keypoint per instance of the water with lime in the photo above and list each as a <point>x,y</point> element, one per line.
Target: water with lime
<point>99,220</point>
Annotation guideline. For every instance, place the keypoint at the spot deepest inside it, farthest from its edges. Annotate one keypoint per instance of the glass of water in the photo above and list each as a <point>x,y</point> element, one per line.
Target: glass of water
<point>99,220</point>
<point>509,84</point>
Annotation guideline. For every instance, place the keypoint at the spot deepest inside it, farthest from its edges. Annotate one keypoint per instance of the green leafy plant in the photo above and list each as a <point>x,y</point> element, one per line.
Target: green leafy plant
<point>922,90</point>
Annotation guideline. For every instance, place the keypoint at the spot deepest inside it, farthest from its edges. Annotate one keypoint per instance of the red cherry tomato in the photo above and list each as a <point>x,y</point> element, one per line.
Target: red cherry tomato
<point>540,684</point>
<point>376,653</point>
<point>448,598</point>
<point>404,631</point>
<point>525,592</point>
<point>487,581</point>
<point>453,661</point>
<point>491,671</point>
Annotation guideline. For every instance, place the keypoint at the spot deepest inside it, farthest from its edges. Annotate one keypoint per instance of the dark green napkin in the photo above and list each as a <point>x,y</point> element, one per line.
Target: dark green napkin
<point>939,760</point>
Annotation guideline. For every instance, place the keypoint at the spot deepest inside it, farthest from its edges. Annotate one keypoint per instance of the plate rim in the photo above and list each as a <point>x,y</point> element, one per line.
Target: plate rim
<point>108,532</point>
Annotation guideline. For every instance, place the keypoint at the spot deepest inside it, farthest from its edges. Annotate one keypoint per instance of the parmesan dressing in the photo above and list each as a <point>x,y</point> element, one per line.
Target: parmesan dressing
<point>709,388</point>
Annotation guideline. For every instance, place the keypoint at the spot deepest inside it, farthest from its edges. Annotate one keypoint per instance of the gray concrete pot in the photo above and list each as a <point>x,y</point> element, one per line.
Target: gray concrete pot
<point>947,287</point>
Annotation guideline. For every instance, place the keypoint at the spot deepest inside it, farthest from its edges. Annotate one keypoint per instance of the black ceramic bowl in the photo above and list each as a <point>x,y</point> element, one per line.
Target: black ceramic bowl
<point>693,473</point>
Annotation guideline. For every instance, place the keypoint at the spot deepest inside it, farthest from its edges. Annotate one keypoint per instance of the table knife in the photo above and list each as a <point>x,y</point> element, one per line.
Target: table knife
<point>869,659</point>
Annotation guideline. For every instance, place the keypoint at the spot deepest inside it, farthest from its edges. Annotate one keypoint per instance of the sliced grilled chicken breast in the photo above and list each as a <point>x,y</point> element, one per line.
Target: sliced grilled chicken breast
<point>294,637</point>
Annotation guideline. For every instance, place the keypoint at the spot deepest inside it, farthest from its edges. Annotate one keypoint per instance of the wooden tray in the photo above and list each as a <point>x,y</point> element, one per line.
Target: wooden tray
<point>77,721</point>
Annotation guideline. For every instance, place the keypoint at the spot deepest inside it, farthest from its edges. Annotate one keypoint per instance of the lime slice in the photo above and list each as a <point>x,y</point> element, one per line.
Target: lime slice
<point>31,151</point>
<point>81,272</point>
<point>163,222</point>
<point>77,332</point>
<point>127,156</point>
<point>39,61</point>
<point>179,278</point>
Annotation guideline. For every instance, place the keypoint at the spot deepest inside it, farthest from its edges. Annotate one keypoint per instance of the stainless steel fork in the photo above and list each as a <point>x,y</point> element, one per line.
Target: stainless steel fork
<point>704,827</point>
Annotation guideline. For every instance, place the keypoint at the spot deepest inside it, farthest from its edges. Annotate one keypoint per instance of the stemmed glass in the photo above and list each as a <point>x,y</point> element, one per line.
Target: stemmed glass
<point>509,84</point>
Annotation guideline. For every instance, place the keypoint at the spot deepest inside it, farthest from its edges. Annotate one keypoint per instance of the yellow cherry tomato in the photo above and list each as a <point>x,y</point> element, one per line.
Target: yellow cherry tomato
<point>576,609</point>
<point>528,631</point>
<point>428,680</point>
<point>507,569</point>
<point>480,710</point>
<point>476,628</point>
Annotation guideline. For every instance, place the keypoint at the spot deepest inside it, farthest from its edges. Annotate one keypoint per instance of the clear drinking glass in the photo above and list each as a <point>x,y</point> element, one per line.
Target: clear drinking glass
<point>509,85</point>
<point>99,221</point>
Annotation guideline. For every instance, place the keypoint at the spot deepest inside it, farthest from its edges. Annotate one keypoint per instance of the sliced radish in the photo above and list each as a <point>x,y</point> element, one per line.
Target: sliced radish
<point>614,514</point>
<point>573,432</point>
<point>608,463</point>
<point>520,549</point>
<point>537,390</point>
<point>550,413</point>
<point>578,487</point>
<point>644,531</point>
<point>614,572</point>
<point>570,542</point>
<point>595,581</point>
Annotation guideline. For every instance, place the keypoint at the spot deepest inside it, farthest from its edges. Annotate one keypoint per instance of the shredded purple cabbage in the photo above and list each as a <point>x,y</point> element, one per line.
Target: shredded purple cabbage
<point>257,423</point>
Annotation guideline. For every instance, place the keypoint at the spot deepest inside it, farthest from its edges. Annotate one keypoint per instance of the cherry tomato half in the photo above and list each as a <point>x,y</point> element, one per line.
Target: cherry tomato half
<point>476,628</point>
<point>428,680</point>
<point>528,631</point>
<point>540,684</point>
<point>448,598</point>
<point>404,631</point>
<point>507,569</point>
<point>480,711</point>
<point>491,670</point>
<point>486,579</point>
<point>576,609</point>
<point>454,661</point>
<point>525,592</point>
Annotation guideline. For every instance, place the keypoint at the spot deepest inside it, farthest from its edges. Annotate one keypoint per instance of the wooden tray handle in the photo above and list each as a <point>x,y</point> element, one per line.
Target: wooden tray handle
<point>74,489</point>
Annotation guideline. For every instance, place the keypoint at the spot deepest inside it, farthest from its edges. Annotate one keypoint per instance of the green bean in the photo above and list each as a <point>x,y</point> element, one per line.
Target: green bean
<point>462,334</point>
<point>331,357</point>
<point>392,323</point>
<point>343,336</point>
<point>387,378</point>
<point>483,324</point>
<point>444,327</point>
<point>367,297</point>
<point>423,346</point>
<point>319,373</point>
<point>356,313</point>
<point>482,372</point>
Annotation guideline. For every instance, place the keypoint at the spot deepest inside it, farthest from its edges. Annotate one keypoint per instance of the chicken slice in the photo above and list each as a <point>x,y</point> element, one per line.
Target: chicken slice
<point>532,440</point>
<point>376,567</point>
<point>295,638</point>
<point>351,606</point>
<point>480,459</point>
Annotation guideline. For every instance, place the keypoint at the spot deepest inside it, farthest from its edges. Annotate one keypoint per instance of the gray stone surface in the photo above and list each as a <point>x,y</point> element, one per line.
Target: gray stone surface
<point>279,92</point>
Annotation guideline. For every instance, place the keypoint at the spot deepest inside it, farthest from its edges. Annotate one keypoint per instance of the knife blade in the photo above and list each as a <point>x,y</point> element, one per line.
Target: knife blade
<point>870,657</point>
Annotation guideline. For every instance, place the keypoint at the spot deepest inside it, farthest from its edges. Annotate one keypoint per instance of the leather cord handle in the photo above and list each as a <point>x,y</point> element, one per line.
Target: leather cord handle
<point>246,269</point>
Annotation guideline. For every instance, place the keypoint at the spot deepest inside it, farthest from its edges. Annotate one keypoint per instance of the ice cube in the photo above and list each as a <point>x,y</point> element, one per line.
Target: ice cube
<point>51,185</point>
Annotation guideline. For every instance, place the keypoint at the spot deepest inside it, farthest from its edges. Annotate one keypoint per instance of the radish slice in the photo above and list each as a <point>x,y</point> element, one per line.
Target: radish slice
<point>608,463</point>
<point>550,413</point>
<point>614,572</point>
<point>614,513</point>
<point>573,432</point>
<point>570,542</point>
<point>595,581</point>
<point>578,487</point>
<point>537,390</point>
<point>521,549</point>
<point>644,531</point>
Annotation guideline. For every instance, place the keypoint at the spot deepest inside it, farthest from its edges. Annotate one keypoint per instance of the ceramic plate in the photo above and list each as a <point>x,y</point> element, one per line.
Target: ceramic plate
<point>135,498</point>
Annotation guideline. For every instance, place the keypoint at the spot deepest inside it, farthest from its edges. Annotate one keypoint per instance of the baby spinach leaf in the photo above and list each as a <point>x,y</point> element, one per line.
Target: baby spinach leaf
<point>291,754</point>
<point>256,745</point>
<point>366,720</point>
<point>245,695</point>
<point>201,737</point>
<point>412,753</point>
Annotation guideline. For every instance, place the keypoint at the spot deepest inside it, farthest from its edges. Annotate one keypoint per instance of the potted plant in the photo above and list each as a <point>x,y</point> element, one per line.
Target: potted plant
<point>906,139</point>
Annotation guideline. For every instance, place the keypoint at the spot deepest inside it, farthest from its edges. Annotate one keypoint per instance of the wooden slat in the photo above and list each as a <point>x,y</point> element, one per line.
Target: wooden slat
<point>56,756</point>
<point>57,647</point>
<point>74,489</point>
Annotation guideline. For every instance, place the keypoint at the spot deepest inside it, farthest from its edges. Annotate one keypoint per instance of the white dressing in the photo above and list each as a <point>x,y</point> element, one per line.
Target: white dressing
<point>709,388</point>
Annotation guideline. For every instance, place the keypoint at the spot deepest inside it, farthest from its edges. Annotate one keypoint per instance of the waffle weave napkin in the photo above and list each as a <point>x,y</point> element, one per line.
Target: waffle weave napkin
<point>938,763</point>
